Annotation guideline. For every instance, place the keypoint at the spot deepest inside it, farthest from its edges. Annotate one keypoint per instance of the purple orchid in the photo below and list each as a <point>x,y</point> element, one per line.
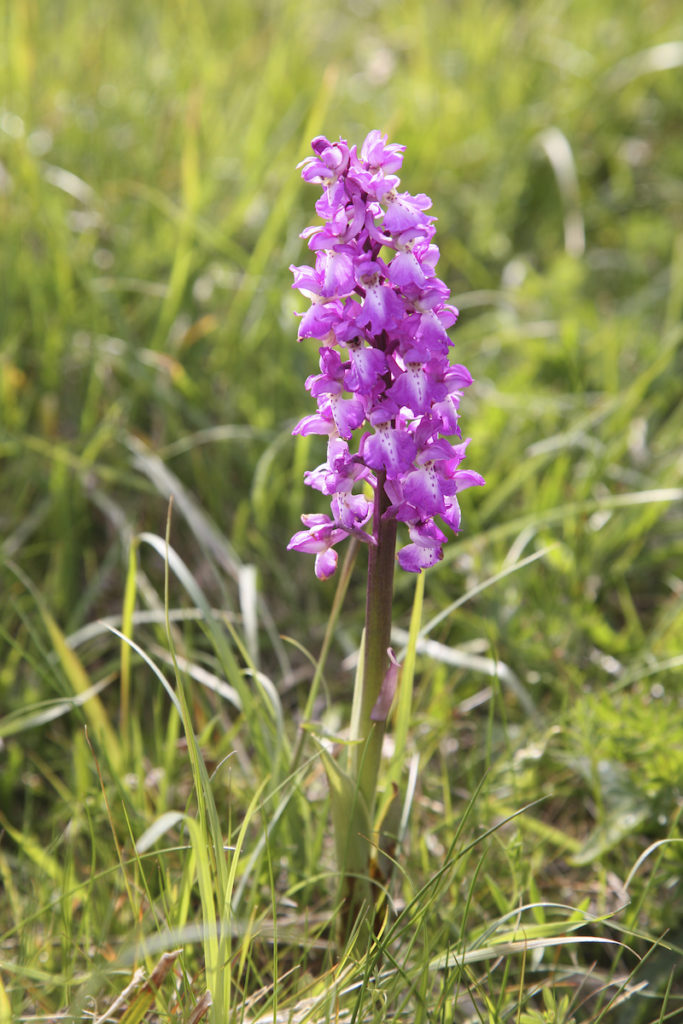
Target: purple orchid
<point>385,373</point>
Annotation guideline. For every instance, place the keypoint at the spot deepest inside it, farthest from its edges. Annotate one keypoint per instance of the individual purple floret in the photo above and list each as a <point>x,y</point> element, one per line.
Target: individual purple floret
<point>387,394</point>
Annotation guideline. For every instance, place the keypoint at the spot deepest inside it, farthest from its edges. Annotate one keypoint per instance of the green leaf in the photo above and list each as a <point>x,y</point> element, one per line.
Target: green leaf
<point>350,818</point>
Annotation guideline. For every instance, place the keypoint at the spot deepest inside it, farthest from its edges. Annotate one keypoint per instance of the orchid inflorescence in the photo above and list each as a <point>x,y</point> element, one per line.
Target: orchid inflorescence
<point>381,315</point>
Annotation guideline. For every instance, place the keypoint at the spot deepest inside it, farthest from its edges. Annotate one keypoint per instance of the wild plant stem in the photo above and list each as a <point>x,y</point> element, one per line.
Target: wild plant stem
<point>377,635</point>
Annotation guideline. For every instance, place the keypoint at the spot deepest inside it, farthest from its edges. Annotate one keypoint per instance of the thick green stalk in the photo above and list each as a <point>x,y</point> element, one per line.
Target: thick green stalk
<point>377,635</point>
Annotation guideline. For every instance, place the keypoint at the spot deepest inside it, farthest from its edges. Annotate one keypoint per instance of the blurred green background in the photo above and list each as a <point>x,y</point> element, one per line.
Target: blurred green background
<point>149,209</point>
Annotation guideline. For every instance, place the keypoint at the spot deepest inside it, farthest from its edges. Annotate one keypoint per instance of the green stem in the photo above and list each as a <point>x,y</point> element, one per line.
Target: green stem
<point>377,635</point>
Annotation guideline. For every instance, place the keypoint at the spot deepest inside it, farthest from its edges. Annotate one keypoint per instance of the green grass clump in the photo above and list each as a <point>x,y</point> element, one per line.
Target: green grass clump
<point>152,777</point>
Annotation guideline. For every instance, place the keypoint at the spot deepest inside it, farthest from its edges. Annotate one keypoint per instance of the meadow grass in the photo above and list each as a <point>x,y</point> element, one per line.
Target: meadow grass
<point>157,793</point>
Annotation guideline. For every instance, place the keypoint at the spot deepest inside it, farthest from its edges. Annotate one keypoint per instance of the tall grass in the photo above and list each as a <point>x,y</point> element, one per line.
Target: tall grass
<point>154,781</point>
